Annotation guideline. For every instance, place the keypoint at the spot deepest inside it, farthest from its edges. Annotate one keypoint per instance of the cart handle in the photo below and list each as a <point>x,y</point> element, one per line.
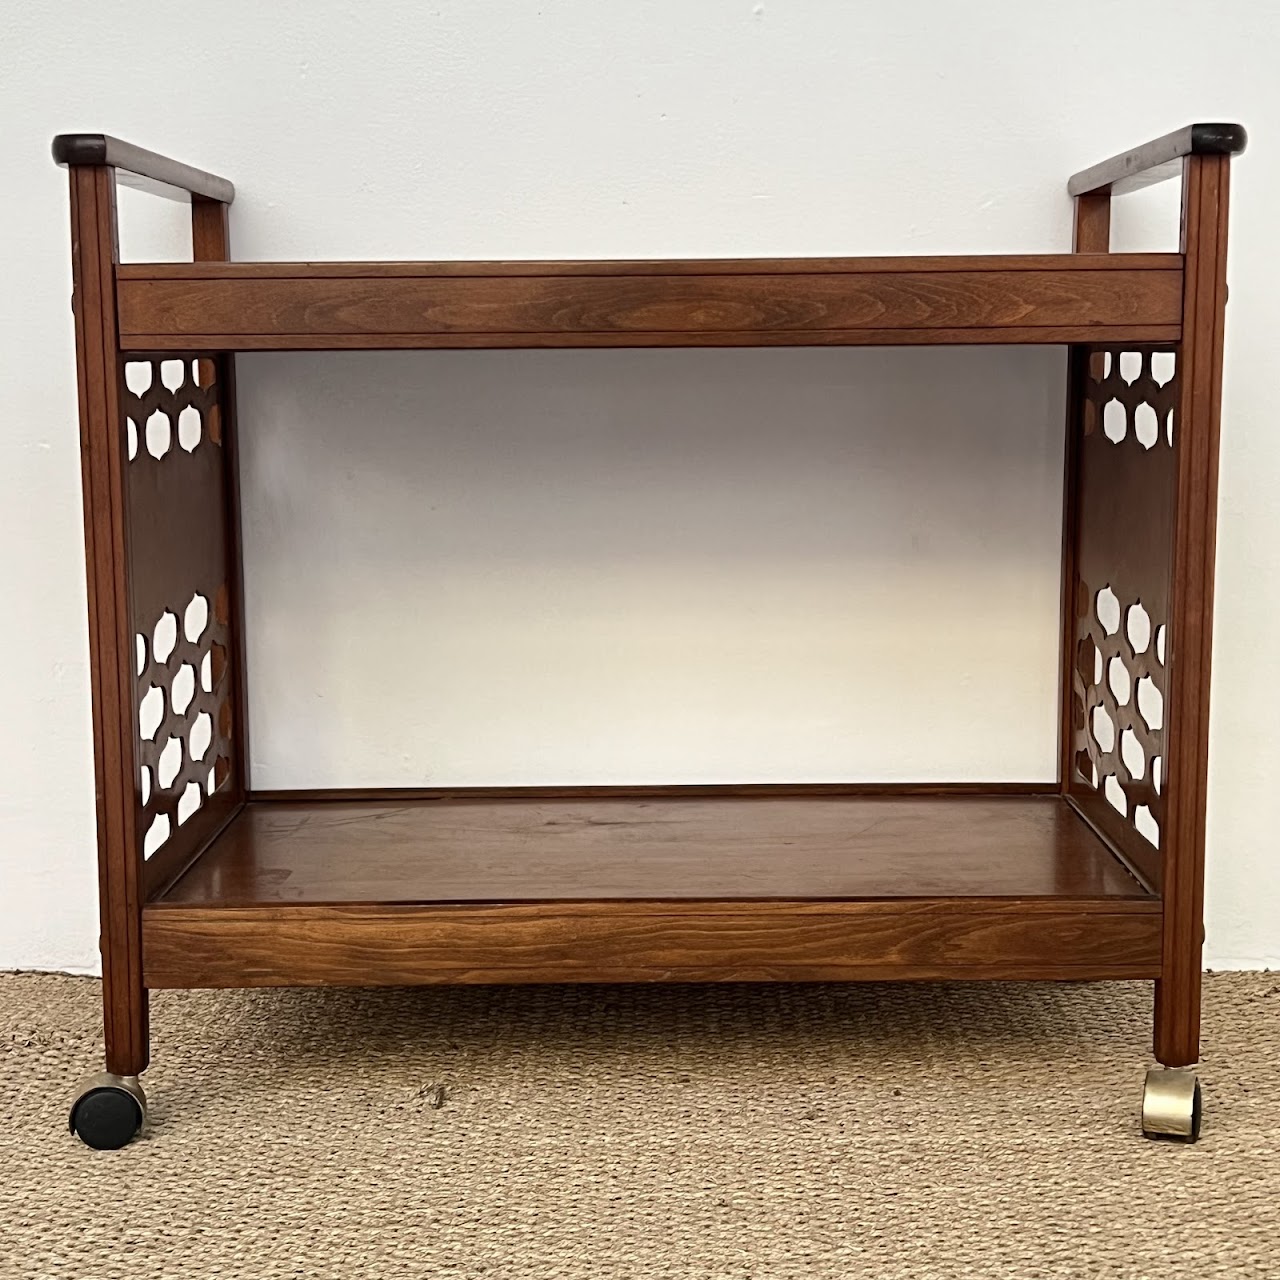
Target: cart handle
<point>137,167</point>
<point>1155,161</point>
<point>1141,167</point>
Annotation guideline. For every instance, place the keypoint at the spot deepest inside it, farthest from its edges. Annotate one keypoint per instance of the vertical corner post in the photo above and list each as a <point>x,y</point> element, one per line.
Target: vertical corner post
<point>1204,243</point>
<point>211,242</point>
<point>94,253</point>
<point>1091,233</point>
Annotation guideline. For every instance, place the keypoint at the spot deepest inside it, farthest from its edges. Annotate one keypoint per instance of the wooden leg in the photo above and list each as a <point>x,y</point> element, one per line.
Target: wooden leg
<point>94,254</point>
<point>128,1035</point>
<point>1204,241</point>
<point>1177,1025</point>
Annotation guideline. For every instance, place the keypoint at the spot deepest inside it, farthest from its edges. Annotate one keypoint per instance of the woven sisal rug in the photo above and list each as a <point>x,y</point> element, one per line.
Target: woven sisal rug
<point>616,1132</point>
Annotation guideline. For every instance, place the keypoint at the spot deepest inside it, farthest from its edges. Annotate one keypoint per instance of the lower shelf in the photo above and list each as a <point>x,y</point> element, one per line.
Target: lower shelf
<point>677,887</point>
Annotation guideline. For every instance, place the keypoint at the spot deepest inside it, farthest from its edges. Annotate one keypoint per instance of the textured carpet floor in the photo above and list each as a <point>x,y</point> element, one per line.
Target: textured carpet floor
<point>879,1132</point>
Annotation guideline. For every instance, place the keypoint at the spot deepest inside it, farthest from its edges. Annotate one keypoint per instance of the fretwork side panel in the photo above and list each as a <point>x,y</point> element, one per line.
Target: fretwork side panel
<point>1123,522</point>
<point>180,599</point>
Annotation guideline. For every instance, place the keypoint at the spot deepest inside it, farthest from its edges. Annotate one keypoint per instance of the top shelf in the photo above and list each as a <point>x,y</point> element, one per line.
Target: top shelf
<point>284,306</point>
<point>1049,298</point>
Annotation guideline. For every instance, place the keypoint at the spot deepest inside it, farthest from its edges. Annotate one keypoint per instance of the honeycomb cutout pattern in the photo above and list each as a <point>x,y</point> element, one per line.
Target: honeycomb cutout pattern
<point>182,640</point>
<point>1119,674</point>
<point>1119,683</point>
<point>171,404</point>
<point>1131,395</point>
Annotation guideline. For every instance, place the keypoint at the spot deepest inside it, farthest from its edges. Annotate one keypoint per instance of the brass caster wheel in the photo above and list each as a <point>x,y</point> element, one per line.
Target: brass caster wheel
<point>1171,1105</point>
<point>108,1111</point>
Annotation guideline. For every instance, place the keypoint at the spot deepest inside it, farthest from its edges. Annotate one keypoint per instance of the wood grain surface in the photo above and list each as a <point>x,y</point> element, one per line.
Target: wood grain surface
<point>1204,240</point>
<point>678,848</point>
<point>94,249</point>
<point>261,306</point>
<point>646,942</point>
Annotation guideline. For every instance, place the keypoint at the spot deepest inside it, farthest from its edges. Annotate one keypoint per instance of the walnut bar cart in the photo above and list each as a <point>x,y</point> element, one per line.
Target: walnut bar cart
<point>207,882</point>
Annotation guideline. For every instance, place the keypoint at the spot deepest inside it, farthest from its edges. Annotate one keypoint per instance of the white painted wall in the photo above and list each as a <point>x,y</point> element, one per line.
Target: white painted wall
<point>662,566</point>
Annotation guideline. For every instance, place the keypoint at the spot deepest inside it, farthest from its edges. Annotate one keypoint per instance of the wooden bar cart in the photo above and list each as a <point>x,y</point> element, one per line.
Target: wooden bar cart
<point>207,882</point>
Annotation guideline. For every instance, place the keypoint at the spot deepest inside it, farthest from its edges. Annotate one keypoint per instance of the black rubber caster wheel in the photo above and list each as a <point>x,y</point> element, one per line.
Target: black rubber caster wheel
<point>108,1111</point>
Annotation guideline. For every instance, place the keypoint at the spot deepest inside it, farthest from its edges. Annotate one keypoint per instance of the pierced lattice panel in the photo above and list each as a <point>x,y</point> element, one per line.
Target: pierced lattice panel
<point>180,578</point>
<point>1124,547</point>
